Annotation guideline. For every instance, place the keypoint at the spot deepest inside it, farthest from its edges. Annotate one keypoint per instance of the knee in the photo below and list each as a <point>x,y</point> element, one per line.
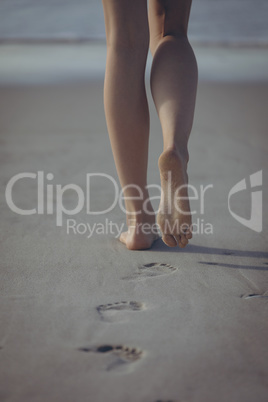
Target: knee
<point>172,18</point>
<point>175,36</point>
<point>131,39</point>
<point>178,32</point>
<point>126,45</point>
<point>175,27</point>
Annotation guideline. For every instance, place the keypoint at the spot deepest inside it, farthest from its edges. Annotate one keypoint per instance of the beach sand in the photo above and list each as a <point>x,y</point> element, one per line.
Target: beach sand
<point>85,319</point>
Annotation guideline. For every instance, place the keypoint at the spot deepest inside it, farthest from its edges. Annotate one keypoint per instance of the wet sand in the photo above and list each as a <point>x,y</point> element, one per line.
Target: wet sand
<point>85,319</point>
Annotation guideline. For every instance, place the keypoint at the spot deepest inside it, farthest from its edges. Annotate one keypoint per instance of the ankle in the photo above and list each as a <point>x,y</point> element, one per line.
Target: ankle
<point>133,220</point>
<point>139,209</point>
<point>179,152</point>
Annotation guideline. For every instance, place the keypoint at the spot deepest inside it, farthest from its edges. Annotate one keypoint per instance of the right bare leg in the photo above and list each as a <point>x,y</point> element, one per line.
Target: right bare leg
<point>173,86</point>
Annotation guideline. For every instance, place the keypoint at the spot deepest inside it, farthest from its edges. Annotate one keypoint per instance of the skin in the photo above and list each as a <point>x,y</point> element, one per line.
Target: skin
<point>130,31</point>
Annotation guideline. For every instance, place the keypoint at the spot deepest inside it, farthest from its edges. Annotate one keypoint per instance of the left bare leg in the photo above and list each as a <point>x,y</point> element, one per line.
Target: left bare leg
<point>127,112</point>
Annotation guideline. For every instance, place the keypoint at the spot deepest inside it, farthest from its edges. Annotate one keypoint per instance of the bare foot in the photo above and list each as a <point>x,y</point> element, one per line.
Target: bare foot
<point>174,216</point>
<point>141,234</point>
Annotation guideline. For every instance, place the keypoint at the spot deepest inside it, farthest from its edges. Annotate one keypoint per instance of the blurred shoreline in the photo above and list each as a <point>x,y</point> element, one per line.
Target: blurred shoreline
<point>225,23</point>
<point>102,41</point>
<point>55,63</point>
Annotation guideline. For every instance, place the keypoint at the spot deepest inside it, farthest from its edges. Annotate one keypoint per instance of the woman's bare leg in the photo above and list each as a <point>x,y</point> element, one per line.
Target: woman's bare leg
<point>173,86</point>
<point>127,112</point>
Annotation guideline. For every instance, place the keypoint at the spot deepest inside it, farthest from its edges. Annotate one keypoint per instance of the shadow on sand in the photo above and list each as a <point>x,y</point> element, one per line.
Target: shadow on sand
<point>192,249</point>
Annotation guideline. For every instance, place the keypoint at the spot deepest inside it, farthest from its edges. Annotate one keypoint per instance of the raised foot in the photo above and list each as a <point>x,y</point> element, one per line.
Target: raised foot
<point>174,216</point>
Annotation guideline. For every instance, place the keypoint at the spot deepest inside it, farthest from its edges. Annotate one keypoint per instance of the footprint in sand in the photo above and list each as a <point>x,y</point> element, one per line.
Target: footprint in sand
<point>111,311</point>
<point>151,270</point>
<point>122,354</point>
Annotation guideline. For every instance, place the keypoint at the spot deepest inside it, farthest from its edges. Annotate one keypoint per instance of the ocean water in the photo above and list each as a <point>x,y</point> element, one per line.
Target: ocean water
<point>227,22</point>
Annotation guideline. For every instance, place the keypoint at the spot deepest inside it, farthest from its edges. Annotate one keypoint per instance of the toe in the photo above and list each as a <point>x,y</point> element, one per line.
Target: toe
<point>184,240</point>
<point>178,238</point>
<point>169,240</point>
<point>188,233</point>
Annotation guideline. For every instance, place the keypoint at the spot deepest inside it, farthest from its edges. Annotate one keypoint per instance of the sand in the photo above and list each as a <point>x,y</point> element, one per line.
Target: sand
<point>85,319</point>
